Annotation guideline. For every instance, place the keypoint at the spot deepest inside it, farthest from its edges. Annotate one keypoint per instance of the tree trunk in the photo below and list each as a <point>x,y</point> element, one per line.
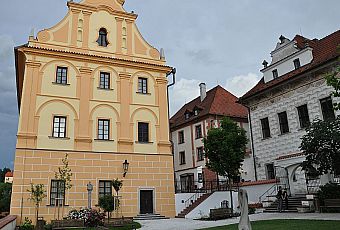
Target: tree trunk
<point>231,196</point>
<point>37,215</point>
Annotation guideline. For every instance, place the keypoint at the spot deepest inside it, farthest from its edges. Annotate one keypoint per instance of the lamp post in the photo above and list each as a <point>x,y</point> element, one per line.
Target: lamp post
<point>89,193</point>
<point>125,167</point>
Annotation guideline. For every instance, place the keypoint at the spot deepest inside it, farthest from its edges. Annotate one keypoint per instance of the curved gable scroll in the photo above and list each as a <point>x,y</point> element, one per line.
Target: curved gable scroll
<point>113,4</point>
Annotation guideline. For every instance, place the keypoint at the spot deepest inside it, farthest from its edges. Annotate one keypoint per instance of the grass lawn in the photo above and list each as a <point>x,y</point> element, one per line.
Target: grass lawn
<point>126,227</point>
<point>287,225</point>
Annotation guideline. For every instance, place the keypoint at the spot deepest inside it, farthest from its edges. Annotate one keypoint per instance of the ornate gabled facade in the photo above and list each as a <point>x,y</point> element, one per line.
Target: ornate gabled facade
<point>291,94</point>
<point>93,88</point>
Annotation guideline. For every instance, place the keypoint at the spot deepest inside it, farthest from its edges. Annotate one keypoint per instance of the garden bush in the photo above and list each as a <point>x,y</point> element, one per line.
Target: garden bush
<point>92,217</point>
<point>329,191</point>
<point>27,225</point>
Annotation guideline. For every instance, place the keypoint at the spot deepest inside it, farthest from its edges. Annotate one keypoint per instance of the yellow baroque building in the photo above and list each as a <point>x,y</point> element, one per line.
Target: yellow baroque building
<point>93,88</point>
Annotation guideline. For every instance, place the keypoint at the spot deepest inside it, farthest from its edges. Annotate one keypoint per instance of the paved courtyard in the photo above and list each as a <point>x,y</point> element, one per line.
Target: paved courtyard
<point>186,224</point>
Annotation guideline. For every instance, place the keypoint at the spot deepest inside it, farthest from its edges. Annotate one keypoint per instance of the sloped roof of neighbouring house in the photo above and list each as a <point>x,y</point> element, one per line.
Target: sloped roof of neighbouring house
<point>9,174</point>
<point>217,102</point>
<point>324,50</point>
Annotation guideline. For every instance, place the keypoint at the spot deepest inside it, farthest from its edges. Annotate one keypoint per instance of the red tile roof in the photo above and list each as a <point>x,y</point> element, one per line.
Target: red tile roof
<point>9,174</point>
<point>217,102</point>
<point>324,50</point>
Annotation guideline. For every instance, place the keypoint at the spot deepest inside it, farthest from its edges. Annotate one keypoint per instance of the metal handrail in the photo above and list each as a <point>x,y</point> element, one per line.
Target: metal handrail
<point>266,192</point>
<point>192,199</point>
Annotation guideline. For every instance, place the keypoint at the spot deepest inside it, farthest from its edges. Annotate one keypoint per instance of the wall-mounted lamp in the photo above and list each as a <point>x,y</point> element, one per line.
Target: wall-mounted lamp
<point>125,167</point>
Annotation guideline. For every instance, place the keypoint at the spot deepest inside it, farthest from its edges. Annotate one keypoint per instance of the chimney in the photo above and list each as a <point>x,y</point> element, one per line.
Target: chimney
<point>203,91</point>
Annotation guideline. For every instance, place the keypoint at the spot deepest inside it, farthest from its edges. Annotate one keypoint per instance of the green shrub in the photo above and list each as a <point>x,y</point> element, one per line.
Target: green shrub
<point>329,191</point>
<point>27,225</point>
<point>251,210</point>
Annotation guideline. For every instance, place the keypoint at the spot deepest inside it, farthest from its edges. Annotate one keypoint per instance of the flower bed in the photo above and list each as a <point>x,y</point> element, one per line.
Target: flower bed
<point>92,217</point>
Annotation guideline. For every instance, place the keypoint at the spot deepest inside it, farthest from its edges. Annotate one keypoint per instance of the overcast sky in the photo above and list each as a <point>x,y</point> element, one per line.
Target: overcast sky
<point>213,41</point>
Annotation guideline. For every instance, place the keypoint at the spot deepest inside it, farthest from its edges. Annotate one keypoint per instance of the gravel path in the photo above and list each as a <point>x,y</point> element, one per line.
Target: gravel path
<point>187,224</point>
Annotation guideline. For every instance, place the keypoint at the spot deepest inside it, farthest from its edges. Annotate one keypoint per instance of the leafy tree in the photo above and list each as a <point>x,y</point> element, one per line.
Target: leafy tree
<point>225,148</point>
<point>64,174</point>
<point>107,203</point>
<point>38,193</point>
<point>2,173</point>
<point>321,145</point>
<point>5,196</point>
<point>333,79</point>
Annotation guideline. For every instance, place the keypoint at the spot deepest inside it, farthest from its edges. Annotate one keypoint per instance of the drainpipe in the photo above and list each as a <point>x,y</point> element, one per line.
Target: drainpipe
<point>252,143</point>
<point>173,73</point>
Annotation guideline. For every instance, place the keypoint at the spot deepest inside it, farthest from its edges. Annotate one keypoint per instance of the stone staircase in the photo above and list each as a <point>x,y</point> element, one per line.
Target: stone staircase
<point>149,217</point>
<point>193,205</point>
<point>294,202</point>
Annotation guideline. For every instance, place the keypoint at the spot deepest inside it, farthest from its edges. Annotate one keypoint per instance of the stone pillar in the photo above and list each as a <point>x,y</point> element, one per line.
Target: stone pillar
<point>86,29</point>
<point>125,141</point>
<point>26,135</point>
<point>74,30</point>
<point>84,138</point>
<point>164,145</point>
<point>119,35</point>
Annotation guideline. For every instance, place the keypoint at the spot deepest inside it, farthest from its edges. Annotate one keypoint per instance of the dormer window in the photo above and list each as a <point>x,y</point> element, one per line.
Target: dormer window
<point>297,63</point>
<point>275,73</point>
<point>102,39</point>
<point>196,112</point>
<point>187,115</point>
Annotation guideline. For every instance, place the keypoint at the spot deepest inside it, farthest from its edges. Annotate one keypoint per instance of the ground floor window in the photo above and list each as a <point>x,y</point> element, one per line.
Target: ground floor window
<point>57,193</point>
<point>270,171</point>
<point>105,188</point>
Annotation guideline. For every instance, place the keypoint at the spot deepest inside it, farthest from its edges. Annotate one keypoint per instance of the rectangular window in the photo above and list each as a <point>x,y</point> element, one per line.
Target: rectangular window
<point>180,137</point>
<point>143,132</point>
<point>327,109</point>
<point>104,81</point>
<point>283,120</point>
<point>103,129</point>
<point>303,116</point>
<point>275,73</point>
<point>59,127</point>
<point>200,154</point>
<point>297,63</point>
<point>265,128</point>
<point>61,77</point>
<point>105,188</point>
<point>198,131</point>
<point>142,85</point>
<point>270,171</point>
<point>57,193</point>
<point>182,158</point>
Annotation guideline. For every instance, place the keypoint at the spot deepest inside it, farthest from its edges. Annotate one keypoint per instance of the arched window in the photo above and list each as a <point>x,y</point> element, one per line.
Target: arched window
<point>102,39</point>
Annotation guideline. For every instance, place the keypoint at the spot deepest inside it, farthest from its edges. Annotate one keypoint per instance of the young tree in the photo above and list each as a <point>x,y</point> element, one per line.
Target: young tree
<point>108,204</point>
<point>38,193</point>
<point>225,148</point>
<point>64,175</point>
<point>321,145</point>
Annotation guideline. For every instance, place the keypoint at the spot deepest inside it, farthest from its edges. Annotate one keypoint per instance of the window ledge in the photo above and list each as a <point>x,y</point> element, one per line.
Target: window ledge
<point>181,143</point>
<point>104,140</point>
<point>60,84</point>
<point>183,164</point>
<point>143,143</point>
<point>144,93</point>
<point>266,138</point>
<point>60,138</point>
<point>49,205</point>
<point>105,89</point>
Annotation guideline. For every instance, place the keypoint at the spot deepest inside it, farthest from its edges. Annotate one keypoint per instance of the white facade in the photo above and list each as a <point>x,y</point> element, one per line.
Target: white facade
<point>190,147</point>
<point>281,149</point>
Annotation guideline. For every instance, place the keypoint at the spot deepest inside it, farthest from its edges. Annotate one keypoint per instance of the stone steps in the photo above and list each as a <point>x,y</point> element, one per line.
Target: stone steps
<point>149,217</point>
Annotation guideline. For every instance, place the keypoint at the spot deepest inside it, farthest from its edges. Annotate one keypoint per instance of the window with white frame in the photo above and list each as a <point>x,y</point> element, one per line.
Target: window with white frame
<point>59,127</point>
<point>103,129</point>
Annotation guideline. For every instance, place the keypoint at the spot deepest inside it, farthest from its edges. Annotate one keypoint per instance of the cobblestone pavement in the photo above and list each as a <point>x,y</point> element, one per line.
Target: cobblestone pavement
<point>187,224</point>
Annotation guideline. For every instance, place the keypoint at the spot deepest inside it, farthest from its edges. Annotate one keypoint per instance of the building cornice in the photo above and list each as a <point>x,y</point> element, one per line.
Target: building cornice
<point>91,58</point>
